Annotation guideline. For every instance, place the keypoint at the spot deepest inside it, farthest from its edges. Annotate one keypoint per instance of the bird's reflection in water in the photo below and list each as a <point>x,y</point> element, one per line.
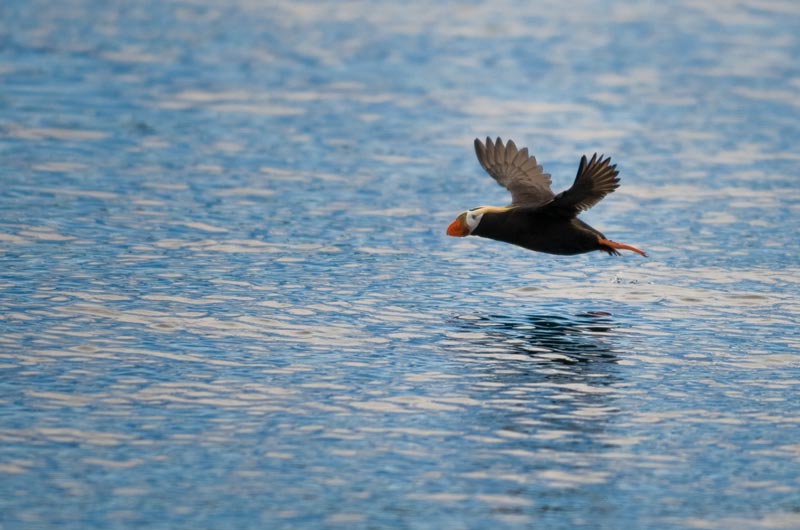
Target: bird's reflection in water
<point>580,338</point>
<point>559,373</point>
<point>548,387</point>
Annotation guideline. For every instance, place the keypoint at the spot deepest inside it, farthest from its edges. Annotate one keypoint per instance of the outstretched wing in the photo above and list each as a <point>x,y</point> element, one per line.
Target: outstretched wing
<point>595,179</point>
<point>516,171</point>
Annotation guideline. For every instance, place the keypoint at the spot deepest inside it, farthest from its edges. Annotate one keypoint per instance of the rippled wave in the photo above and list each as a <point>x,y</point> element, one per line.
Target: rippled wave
<point>227,299</point>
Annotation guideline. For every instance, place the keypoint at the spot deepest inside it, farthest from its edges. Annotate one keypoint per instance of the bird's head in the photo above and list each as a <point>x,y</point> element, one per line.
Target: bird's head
<point>465,223</point>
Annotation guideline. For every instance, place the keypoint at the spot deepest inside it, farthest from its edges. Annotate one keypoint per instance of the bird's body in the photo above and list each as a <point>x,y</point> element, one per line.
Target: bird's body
<point>534,230</point>
<point>537,219</point>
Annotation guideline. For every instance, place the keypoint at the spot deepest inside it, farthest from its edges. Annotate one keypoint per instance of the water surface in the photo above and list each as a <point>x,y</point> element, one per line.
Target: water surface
<point>227,299</point>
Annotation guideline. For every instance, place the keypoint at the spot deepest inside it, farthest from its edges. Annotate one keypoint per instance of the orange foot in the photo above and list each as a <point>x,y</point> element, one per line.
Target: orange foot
<point>622,246</point>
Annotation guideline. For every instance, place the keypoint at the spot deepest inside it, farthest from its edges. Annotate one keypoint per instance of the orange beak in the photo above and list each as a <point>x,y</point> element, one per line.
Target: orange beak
<point>458,228</point>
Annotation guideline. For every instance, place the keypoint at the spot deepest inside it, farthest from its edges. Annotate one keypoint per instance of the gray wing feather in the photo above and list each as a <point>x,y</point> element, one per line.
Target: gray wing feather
<point>515,170</point>
<point>596,178</point>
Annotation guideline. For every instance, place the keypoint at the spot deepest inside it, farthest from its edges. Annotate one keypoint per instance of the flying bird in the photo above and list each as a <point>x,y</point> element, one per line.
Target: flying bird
<point>537,219</point>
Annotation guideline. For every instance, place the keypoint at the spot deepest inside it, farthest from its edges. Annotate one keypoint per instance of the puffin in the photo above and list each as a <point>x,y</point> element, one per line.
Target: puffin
<point>537,219</point>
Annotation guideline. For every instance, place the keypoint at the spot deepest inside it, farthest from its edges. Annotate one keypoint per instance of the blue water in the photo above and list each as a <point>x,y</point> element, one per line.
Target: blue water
<point>227,299</point>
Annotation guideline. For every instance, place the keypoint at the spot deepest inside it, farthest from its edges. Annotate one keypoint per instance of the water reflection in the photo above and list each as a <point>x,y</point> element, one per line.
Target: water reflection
<point>548,386</point>
<point>558,372</point>
<point>579,338</point>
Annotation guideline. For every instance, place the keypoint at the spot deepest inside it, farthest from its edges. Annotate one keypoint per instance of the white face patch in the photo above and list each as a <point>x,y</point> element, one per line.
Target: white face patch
<point>473,219</point>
